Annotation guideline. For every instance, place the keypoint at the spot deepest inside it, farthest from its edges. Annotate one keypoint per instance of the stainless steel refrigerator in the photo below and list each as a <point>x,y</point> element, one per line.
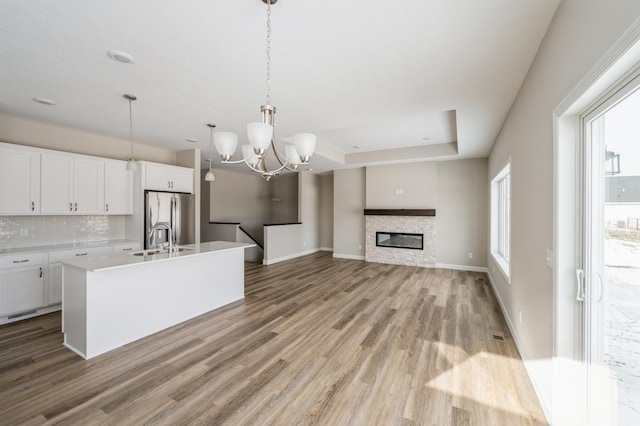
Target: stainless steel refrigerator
<point>174,209</point>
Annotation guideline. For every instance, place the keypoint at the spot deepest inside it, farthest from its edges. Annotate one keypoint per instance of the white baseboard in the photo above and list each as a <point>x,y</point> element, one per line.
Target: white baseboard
<point>289,257</point>
<point>326,248</point>
<point>463,267</point>
<point>348,256</point>
<point>546,407</point>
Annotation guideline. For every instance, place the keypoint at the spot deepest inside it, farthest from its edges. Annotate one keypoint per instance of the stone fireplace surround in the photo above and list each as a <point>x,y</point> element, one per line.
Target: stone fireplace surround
<point>415,221</point>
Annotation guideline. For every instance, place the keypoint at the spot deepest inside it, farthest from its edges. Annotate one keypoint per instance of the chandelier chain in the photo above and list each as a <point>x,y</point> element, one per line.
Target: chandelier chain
<point>268,52</point>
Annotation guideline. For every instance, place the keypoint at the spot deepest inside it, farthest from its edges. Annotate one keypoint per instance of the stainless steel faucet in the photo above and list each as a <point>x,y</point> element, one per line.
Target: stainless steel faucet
<point>162,225</point>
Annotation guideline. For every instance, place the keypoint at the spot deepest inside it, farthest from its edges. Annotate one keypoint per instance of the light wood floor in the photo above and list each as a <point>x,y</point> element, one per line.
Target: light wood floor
<point>317,340</point>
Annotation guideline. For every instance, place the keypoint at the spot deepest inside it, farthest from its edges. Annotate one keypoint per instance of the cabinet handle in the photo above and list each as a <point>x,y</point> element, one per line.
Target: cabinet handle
<point>70,207</point>
<point>76,204</point>
<point>21,261</point>
<point>41,272</point>
<point>127,249</point>
<point>168,184</point>
<point>107,209</point>
<point>81,254</point>
<point>33,206</point>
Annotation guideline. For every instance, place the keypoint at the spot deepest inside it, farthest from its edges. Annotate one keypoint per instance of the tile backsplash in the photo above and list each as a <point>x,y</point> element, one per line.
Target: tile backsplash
<point>30,231</point>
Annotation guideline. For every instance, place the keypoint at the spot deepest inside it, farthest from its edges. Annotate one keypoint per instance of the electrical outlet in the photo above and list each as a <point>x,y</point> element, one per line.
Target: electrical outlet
<point>520,316</point>
<point>470,255</point>
<point>359,246</point>
<point>24,232</point>
<point>399,191</point>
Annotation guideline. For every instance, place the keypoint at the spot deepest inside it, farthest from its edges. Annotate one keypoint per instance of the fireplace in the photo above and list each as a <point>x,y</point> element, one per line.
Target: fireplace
<point>401,237</point>
<point>401,240</point>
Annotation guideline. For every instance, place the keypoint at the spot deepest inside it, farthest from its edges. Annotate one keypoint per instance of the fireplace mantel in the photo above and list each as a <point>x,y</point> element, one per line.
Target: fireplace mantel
<point>399,212</point>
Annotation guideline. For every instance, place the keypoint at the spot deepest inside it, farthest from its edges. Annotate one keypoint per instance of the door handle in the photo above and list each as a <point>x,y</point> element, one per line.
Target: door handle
<point>600,287</point>
<point>580,279</point>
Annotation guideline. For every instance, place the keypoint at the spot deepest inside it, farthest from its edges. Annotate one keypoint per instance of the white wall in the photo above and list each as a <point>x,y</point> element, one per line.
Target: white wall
<point>581,33</point>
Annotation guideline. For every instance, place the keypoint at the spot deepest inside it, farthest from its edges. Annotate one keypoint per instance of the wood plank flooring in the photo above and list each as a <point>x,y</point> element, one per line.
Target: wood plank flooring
<point>317,340</point>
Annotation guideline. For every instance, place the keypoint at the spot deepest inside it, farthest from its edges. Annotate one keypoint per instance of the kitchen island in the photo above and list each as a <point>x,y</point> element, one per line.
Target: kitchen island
<point>109,301</point>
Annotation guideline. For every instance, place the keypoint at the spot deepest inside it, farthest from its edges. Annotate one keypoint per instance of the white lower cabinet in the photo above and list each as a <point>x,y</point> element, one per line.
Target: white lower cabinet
<point>22,284</point>
<point>55,268</point>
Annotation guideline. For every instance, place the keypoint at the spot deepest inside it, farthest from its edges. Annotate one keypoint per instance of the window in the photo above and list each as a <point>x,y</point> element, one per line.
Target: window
<point>501,219</point>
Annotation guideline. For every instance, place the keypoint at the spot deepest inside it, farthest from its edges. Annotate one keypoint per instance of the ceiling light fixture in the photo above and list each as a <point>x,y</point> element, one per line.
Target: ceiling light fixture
<point>122,57</point>
<point>261,134</point>
<point>209,177</point>
<point>44,101</point>
<point>132,165</point>
<point>192,140</point>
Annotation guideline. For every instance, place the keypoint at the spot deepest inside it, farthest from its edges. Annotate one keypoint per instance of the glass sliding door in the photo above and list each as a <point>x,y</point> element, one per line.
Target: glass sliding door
<point>611,259</point>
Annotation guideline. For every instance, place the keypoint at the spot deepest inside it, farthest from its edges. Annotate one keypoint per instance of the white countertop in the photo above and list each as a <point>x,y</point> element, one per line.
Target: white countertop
<point>121,260</point>
<point>66,246</point>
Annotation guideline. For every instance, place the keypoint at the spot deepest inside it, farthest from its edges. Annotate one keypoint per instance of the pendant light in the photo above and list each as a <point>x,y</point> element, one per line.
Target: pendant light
<point>209,177</point>
<point>261,134</point>
<point>132,164</point>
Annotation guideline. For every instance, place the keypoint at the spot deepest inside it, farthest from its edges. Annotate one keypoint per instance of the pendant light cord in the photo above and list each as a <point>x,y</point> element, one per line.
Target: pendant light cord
<point>130,129</point>
<point>268,52</point>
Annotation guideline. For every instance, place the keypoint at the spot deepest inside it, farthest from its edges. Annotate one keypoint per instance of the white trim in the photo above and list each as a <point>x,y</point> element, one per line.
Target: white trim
<point>348,256</point>
<point>463,267</point>
<point>546,407</point>
<point>289,257</point>
<point>326,248</point>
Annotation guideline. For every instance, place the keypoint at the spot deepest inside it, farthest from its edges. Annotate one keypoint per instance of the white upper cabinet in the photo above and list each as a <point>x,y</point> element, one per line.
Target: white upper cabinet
<point>19,181</point>
<point>71,185</point>
<point>160,177</point>
<point>118,188</point>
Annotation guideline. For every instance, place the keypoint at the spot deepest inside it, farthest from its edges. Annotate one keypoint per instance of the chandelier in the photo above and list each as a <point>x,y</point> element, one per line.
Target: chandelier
<point>261,134</point>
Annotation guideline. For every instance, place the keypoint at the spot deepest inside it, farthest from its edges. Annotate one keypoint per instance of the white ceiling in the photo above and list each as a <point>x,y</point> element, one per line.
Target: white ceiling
<point>398,75</point>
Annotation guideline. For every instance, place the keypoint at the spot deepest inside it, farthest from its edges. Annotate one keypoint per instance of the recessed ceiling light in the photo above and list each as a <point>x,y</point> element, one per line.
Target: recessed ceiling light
<point>120,56</point>
<point>357,147</point>
<point>44,101</point>
<point>192,140</point>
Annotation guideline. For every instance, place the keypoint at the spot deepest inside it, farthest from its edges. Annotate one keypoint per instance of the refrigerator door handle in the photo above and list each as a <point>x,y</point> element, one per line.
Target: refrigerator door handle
<point>177,220</point>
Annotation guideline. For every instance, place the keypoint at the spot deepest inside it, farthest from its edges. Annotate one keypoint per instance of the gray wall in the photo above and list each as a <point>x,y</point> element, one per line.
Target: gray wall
<point>402,186</point>
<point>462,212</point>
<point>456,189</point>
<point>348,217</point>
<point>283,198</point>
<point>581,33</point>
<point>240,197</point>
<point>326,212</point>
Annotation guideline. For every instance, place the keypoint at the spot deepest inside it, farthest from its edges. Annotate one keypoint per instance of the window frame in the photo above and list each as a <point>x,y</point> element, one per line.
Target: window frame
<point>501,220</point>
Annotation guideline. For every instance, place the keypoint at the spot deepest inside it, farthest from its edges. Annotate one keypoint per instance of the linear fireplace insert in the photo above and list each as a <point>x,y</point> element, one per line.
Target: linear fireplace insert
<point>400,240</point>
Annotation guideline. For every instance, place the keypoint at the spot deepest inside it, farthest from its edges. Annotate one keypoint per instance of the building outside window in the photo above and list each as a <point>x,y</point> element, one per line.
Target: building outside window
<point>500,219</point>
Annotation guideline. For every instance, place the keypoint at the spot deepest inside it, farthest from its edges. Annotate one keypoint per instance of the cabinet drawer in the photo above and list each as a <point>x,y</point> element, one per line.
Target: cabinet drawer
<point>21,260</point>
<point>57,256</point>
<point>127,248</point>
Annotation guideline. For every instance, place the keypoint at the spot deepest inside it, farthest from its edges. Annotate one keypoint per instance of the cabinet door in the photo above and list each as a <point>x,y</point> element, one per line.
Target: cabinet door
<point>118,189</point>
<point>56,186</point>
<point>157,178</point>
<point>21,289</point>
<point>55,283</point>
<point>19,182</point>
<point>181,180</point>
<point>88,186</point>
